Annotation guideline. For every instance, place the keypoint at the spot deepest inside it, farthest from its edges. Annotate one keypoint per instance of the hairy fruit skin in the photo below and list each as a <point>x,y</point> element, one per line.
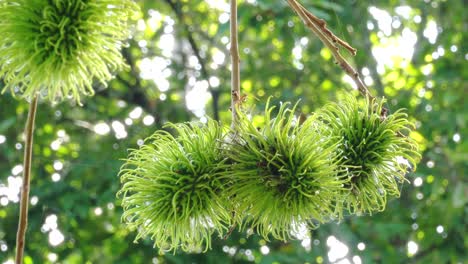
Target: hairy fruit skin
<point>371,151</point>
<point>57,48</point>
<point>283,176</point>
<point>172,188</point>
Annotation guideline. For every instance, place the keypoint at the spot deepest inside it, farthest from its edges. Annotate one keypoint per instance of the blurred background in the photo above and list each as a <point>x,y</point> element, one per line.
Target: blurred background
<point>412,52</point>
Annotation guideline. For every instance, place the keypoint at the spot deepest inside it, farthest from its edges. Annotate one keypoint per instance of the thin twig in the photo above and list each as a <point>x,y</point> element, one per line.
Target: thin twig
<point>235,61</point>
<point>23,217</point>
<point>323,26</point>
<point>318,27</point>
<point>235,82</point>
<point>229,232</point>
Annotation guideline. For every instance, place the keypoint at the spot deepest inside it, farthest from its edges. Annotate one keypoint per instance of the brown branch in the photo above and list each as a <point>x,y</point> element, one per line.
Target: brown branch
<point>318,27</point>
<point>235,62</point>
<point>23,216</point>
<point>323,26</point>
<point>231,229</point>
<point>235,84</point>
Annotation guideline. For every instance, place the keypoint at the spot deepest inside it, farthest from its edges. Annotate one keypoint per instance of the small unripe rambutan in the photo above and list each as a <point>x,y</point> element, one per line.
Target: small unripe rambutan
<point>57,48</point>
<point>172,188</point>
<point>283,175</point>
<point>373,152</point>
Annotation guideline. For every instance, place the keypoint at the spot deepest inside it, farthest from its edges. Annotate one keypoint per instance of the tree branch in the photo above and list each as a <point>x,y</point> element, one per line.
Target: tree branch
<point>24,202</point>
<point>322,25</point>
<point>318,27</point>
<point>235,64</point>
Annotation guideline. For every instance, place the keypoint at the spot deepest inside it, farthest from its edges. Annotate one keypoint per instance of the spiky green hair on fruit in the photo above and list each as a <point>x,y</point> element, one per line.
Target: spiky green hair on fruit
<point>283,176</point>
<point>373,152</point>
<point>172,188</point>
<point>57,48</point>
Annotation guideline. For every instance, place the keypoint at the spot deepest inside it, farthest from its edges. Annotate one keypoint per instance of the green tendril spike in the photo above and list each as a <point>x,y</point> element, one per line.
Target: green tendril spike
<point>283,176</point>
<point>57,48</point>
<point>373,152</point>
<point>173,190</point>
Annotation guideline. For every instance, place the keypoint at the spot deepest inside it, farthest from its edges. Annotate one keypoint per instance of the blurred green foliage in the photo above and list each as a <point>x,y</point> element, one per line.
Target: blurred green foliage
<point>411,52</point>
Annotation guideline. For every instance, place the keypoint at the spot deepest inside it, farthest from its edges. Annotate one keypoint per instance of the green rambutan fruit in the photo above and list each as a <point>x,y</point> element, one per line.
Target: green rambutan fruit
<point>283,174</point>
<point>373,151</point>
<point>172,188</point>
<point>56,48</point>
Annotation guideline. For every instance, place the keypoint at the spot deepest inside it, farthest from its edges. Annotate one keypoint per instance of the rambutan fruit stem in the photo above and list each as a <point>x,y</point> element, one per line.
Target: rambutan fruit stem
<point>23,217</point>
<point>235,61</point>
<point>318,27</point>
<point>331,41</point>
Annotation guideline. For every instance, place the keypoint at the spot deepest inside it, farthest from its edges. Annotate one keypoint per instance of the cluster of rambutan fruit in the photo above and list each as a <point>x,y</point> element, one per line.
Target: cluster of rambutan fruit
<point>180,190</point>
<point>274,178</point>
